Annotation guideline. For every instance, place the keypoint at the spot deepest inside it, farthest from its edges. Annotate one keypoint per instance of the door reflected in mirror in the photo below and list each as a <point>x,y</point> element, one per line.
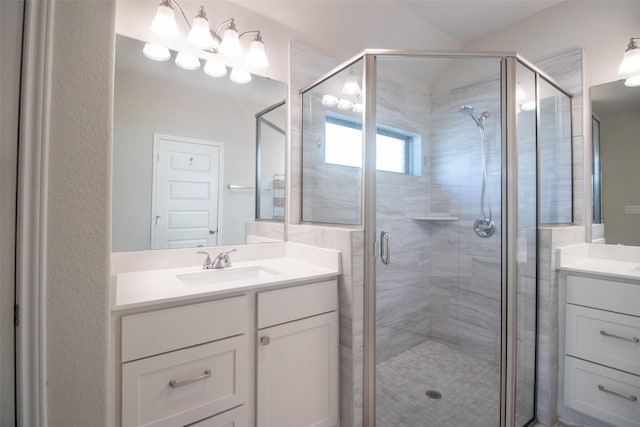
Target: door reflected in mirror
<point>615,172</point>
<point>186,148</point>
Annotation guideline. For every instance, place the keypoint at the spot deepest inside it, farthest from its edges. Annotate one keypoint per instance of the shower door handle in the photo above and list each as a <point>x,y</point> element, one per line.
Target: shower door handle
<point>385,253</point>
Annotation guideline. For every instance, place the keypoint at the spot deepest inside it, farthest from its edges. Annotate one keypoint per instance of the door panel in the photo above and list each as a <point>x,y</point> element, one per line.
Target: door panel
<point>187,192</point>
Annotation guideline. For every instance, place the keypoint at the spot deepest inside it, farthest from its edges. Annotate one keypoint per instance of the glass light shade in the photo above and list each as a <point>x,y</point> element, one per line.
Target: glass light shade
<point>214,68</point>
<point>351,86</point>
<point>358,108</point>
<point>164,23</point>
<point>230,44</point>
<point>256,56</point>
<point>345,104</point>
<point>632,81</point>
<point>200,35</point>
<point>528,106</point>
<point>630,65</point>
<point>239,76</point>
<point>156,52</point>
<point>521,96</point>
<point>329,101</point>
<point>187,61</point>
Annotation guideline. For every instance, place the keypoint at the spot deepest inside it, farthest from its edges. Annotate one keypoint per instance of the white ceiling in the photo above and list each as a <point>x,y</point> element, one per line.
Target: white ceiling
<point>401,24</point>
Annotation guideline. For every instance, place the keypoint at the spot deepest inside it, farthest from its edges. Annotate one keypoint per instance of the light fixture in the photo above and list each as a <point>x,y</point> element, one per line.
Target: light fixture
<point>351,86</point>
<point>214,68</point>
<point>345,104</point>
<point>200,34</point>
<point>156,52</point>
<point>632,81</point>
<point>256,55</point>
<point>230,44</point>
<point>521,96</point>
<point>209,42</point>
<point>164,23</point>
<point>187,61</point>
<point>630,65</point>
<point>358,108</point>
<point>329,101</point>
<point>240,76</point>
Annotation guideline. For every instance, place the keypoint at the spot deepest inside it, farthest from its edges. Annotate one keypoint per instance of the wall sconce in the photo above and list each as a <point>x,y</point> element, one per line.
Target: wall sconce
<point>209,42</point>
<point>630,66</point>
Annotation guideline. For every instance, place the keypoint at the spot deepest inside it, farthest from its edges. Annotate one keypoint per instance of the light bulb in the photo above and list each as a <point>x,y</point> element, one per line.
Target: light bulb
<point>214,68</point>
<point>156,52</point>
<point>329,101</point>
<point>256,56</point>
<point>230,44</point>
<point>240,76</point>
<point>200,34</point>
<point>345,104</point>
<point>528,106</point>
<point>358,108</point>
<point>632,81</point>
<point>630,65</point>
<point>164,23</point>
<point>351,86</point>
<point>187,61</point>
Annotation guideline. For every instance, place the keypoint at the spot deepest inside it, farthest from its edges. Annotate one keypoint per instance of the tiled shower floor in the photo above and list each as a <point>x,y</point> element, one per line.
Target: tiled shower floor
<point>470,389</point>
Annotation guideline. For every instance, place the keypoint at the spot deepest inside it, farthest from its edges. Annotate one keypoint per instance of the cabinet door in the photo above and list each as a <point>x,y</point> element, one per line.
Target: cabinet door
<point>297,373</point>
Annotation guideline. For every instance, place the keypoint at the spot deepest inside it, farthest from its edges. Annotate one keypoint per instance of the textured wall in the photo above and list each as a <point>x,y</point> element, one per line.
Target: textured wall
<point>79,215</point>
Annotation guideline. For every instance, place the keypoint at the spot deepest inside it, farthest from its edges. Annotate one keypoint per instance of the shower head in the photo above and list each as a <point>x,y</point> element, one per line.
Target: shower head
<point>467,110</point>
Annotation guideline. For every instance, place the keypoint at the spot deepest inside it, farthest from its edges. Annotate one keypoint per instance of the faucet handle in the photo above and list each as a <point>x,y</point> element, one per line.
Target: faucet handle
<point>206,264</point>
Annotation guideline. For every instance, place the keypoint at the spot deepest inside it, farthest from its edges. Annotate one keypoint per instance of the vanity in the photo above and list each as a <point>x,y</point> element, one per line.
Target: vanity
<point>255,343</point>
<point>600,339</point>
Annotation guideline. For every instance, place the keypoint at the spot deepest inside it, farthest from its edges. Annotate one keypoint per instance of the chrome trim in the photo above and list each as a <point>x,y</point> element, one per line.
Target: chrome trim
<point>503,244</point>
<point>369,211</point>
<point>385,253</point>
<point>530,65</point>
<point>344,65</point>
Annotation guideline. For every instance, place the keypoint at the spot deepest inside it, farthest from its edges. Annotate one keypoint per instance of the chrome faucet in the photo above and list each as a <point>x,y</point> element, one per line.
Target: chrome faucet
<point>222,260</point>
<point>207,264</point>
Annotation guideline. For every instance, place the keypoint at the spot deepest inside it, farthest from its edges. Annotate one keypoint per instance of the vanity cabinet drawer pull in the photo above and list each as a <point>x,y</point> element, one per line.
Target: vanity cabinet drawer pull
<point>265,340</point>
<point>176,384</point>
<point>607,334</point>
<point>606,390</point>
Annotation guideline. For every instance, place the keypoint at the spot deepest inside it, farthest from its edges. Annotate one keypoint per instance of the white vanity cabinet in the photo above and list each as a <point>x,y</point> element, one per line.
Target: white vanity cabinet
<point>297,356</point>
<point>602,349</point>
<point>185,365</point>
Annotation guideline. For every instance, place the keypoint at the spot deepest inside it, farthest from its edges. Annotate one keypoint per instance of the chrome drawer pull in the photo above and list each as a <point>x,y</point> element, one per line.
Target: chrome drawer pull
<point>605,390</point>
<point>176,384</point>
<point>607,334</point>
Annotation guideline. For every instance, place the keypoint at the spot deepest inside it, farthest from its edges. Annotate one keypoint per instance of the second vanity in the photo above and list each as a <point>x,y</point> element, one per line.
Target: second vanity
<point>600,295</point>
<point>255,343</point>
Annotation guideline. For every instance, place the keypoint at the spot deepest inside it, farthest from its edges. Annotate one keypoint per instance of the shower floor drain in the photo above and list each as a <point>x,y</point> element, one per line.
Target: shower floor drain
<point>433,394</point>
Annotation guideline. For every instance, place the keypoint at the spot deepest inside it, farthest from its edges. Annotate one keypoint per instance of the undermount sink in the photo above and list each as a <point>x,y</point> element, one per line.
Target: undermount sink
<point>230,274</point>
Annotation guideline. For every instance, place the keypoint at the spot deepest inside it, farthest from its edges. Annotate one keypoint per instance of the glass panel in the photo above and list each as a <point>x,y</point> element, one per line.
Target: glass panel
<point>556,189</point>
<point>271,143</point>
<point>526,247</point>
<point>438,301</point>
<point>331,174</point>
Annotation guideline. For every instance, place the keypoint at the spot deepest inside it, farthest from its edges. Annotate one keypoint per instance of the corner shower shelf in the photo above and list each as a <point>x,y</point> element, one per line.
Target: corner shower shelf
<point>435,218</point>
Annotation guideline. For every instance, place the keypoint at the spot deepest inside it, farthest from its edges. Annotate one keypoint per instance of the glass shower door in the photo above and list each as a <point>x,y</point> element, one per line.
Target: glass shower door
<point>438,274</point>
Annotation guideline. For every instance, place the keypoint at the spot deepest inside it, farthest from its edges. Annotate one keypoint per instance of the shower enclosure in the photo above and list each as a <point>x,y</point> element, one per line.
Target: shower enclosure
<point>449,162</point>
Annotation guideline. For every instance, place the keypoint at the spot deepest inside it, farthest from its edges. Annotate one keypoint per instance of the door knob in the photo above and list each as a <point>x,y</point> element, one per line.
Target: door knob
<point>213,231</point>
<point>265,340</point>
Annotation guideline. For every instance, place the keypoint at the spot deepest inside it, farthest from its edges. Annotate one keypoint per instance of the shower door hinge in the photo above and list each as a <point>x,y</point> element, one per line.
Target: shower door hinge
<point>16,315</point>
<point>376,249</point>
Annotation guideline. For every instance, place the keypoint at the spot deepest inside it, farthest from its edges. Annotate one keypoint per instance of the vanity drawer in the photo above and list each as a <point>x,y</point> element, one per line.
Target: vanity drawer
<point>590,388</point>
<point>604,337</point>
<point>620,297</point>
<point>185,386</point>
<point>160,331</point>
<point>297,302</point>
<point>236,417</point>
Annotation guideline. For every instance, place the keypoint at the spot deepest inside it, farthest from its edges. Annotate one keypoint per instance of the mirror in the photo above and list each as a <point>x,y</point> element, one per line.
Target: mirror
<point>185,150</point>
<point>615,128</point>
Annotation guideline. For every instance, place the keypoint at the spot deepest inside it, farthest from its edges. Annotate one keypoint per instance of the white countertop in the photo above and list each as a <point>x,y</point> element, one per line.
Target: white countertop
<point>606,260</point>
<point>161,282</point>
<point>142,288</point>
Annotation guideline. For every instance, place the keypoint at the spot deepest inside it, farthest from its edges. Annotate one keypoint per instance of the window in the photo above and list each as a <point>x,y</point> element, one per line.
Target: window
<point>395,149</point>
